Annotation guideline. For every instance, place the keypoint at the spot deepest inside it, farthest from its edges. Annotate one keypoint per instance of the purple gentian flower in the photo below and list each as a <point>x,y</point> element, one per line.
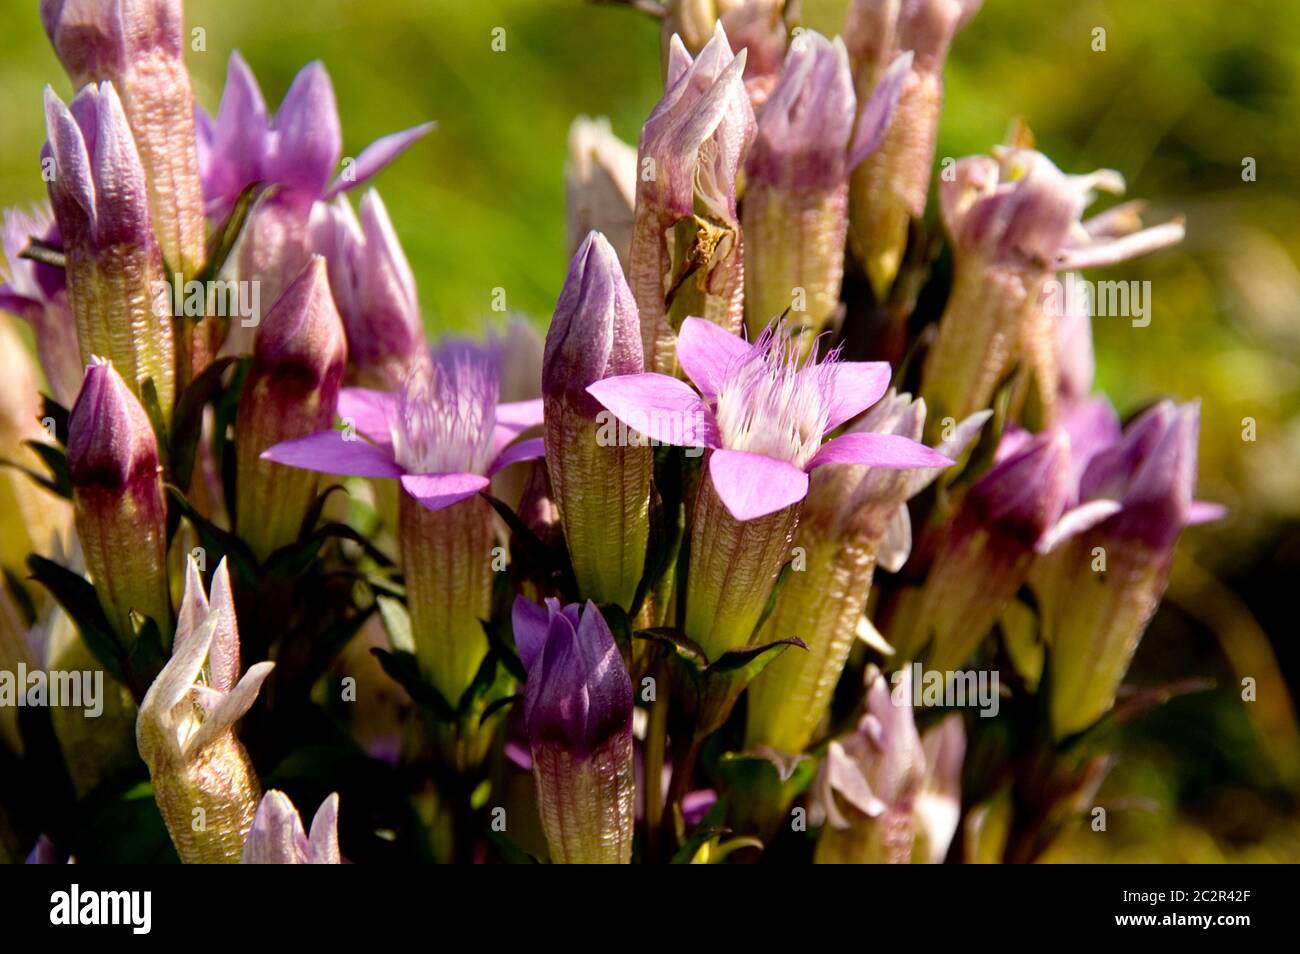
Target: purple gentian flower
<point>443,436</point>
<point>763,413</point>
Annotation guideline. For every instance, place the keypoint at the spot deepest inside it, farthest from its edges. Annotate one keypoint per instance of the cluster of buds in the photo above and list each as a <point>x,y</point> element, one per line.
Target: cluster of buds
<point>678,502</point>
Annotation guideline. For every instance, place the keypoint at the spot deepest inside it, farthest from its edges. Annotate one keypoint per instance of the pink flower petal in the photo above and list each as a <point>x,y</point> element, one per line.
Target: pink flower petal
<point>530,449</point>
<point>889,451</point>
<point>705,352</point>
<point>513,418</point>
<point>755,485</point>
<point>1075,521</point>
<point>377,155</point>
<point>662,408</point>
<point>370,411</point>
<point>854,387</point>
<point>1205,511</point>
<point>438,491</point>
<point>330,452</point>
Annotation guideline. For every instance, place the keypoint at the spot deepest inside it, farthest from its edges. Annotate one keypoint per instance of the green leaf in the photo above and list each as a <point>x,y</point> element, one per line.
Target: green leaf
<point>146,658</point>
<point>227,235</point>
<point>682,647</point>
<point>80,601</point>
<point>312,517</point>
<point>404,669</point>
<point>54,411</point>
<point>397,623</point>
<point>751,660</point>
<point>187,423</point>
<point>55,459</point>
<point>152,407</point>
<point>770,605</point>
<point>46,253</point>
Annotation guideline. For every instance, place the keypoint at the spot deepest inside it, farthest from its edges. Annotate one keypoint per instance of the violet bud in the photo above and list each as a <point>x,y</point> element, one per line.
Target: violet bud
<point>277,836</point>
<point>374,288</point>
<point>578,715</point>
<point>203,780</point>
<point>137,46</point>
<point>599,186</point>
<point>755,26</point>
<point>117,492</point>
<point>1098,591</point>
<point>291,391</point>
<point>600,483</point>
<point>889,188</point>
<point>120,302</point>
<point>686,256</point>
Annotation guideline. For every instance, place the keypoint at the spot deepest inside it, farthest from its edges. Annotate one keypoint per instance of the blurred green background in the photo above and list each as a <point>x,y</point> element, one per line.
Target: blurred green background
<point>1182,94</point>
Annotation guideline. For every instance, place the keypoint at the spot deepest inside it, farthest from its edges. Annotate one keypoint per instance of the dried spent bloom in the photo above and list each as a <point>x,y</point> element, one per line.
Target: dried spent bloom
<point>277,836</point>
<point>1014,221</point>
<point>687,253</point>
<point>889,189</point>
<point>442,437</point>
<point>117,493</point>
<point>374,289</point>
<point>291,391</point>
<point>137,46</point>
<point>1098,591</point>
<point>762,412</point>
<point>297,150</point>
<point>203,780</point>
<point>797,182</point>
<point>601,486</point>
<point>114,269</point>
<point>37,293</point>
<point>578,716</point>
<point>599,186</point>
<point>854,518</point>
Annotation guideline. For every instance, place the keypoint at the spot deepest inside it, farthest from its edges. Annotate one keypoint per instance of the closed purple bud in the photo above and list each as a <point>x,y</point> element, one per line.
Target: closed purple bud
<point>136,45</point>
<point>120,512</point>
<point>987,554</point>
<point>686,256</point>
<point>600,483</point>
<point>114,271</point>
<point>578,713</point>
<point>374,288</point>
<point>291,391</point>
<point>1098,591</point>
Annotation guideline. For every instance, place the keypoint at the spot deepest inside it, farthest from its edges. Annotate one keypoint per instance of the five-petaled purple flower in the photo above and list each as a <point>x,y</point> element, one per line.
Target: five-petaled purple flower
<point>763,412</point>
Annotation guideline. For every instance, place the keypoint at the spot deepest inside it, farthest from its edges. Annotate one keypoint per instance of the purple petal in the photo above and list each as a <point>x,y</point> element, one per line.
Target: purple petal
<point>513,418</point>
<point>377,155</point>
<point>1205,511</point>
<point>889,451</point>
<point>530,623</point>
<point>755,485</point>
<point>1111,251</point>
<point>878,110</point>
<point>307,137</point>
<point>705,352</point>
<point>662,408</point>
<point>370,411</point>
<point>854,387</point>
<point>329,452</point>
<point>438,491</point>
<point>530,449</point>
<point>1076,521</point>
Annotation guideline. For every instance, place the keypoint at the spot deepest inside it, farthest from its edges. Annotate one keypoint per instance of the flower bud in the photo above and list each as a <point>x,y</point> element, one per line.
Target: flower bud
<point>277,836</point>
<point>755,26</point>
<point>374,288</point>
<point>797,189</point>
<point>203,781</point>
<point>137,46</point>
<point>889,188</point>
<point>114,270</point>
<point>1098,591</point>
<point>599,186</point>
<point>853,518</point>
<point>601,486</point>
<point>117,492</point>
<point>687,254</point>
<point>37,293</point>
<point>578,715</point>
<point>985,557</point>
<point>291,391</point>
